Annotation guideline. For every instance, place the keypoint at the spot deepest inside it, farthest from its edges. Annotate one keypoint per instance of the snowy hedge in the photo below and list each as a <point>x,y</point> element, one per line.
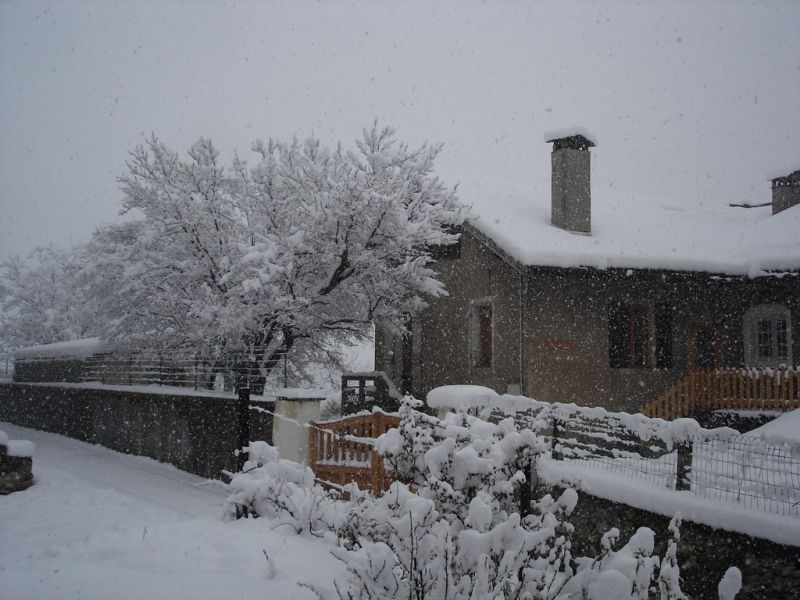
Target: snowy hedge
<point>458,523</point>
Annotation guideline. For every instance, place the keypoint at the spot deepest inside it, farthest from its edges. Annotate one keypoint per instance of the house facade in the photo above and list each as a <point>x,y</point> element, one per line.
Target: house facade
<point>546,317</point>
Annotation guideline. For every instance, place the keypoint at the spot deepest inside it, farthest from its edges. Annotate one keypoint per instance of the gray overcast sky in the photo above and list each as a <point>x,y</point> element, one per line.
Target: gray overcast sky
<point>690,99</point>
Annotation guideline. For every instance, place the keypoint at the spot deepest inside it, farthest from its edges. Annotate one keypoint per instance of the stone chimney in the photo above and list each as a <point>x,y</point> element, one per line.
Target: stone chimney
<point>785,192</point>
<point>571,195</point>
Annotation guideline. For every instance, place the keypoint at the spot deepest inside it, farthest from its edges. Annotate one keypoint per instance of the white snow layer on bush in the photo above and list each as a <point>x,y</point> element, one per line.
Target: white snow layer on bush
<point>539,415</point>
<point>282,490</point>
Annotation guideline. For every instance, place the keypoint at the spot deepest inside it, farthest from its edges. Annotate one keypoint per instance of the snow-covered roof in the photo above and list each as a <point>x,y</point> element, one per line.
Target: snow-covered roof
<point>73,348</point>
<point>642,233</point>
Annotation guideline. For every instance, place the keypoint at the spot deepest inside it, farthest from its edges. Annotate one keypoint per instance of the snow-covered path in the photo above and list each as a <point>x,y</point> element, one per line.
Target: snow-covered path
<point>100,524</point>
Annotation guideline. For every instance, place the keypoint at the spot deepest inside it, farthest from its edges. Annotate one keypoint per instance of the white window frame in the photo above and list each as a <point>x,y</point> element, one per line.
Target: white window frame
<point>771,313</point>
<point>474,342</point>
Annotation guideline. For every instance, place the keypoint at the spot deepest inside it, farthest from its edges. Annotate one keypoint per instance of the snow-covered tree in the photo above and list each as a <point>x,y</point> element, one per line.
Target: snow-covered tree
<point>42,299</point>
<point>298,252</point>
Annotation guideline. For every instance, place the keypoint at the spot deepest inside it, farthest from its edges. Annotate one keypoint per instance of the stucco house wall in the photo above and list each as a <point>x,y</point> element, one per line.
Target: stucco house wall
<point>556,348</point>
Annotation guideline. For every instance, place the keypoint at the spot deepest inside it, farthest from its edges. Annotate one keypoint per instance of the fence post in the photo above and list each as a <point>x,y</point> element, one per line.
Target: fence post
<point>195,370</point>
<point>243,414</point>
<point>130,369</point>
<point>524,490</point>
<point>313,446</point>
<point>684,466</point>
<point>285,373</point>
<point>556,454</point>
<point>160,369</point>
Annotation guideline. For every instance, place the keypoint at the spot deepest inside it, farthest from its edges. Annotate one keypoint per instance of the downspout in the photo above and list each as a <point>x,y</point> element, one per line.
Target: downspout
<point>520,334</point>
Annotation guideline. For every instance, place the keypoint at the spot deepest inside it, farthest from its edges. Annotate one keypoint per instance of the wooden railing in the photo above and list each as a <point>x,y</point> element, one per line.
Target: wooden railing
<point>342,452</point>
<point>737,389</point>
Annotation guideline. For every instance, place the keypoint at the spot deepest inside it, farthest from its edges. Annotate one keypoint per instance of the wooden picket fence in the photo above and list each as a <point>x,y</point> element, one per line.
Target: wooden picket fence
<point>733,389</point>
<point>342,452</point>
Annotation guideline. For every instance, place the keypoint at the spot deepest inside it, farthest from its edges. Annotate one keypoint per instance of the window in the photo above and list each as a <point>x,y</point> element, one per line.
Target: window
<point>768,336</point>
<point>639,336</point>
<point>482,334</point>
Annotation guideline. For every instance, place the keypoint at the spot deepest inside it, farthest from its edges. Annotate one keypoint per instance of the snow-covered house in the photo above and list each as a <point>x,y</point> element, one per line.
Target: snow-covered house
<point>605,302</point>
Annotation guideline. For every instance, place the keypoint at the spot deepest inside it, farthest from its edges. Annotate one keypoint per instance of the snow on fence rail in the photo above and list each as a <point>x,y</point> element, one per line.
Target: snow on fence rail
<point>714,389</point>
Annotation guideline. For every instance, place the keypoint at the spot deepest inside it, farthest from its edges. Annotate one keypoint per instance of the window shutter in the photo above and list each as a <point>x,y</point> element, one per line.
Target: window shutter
<point>618,335</point>
<point>663,336</point>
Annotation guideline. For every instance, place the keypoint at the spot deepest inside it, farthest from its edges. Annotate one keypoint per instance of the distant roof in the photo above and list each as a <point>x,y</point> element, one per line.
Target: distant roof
<point>642,233</point>
<point>73,348</point>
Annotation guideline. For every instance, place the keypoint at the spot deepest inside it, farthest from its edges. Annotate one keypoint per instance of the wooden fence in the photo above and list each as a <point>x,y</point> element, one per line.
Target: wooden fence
<point>736,389</point>
<point>342,452</point>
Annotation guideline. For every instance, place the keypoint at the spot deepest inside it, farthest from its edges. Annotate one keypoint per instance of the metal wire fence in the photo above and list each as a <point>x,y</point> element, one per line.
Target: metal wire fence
<point>723,466</point>
<point>747,471</point>
<point>176,368</point>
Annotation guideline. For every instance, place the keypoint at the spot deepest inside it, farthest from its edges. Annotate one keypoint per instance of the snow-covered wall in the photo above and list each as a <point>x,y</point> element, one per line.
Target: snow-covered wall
<point>197,434</point>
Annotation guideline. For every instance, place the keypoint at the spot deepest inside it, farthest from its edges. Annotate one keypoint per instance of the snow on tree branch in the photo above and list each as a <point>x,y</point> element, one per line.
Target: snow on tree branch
<point>304,247</point>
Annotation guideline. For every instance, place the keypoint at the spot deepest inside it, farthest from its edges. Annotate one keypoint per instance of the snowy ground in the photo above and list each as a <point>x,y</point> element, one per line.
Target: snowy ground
<point>98,524</point>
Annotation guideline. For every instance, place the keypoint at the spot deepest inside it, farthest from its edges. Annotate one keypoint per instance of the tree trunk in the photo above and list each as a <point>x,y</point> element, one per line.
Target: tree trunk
<point>254,373</point>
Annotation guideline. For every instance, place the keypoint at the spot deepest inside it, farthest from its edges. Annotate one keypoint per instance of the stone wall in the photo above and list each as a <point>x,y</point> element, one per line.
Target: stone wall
<point>198,434</point>
<point>769,570</point>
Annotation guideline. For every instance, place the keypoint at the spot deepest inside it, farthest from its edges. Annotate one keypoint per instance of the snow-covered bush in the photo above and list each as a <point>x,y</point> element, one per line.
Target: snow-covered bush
<point>269,486</point>
<point>466,531</point>
<point>459,458</point>
<point>459,524</point>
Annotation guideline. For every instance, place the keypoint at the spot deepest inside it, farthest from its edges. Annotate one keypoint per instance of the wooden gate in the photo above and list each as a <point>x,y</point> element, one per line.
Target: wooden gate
<point>342,452</point>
